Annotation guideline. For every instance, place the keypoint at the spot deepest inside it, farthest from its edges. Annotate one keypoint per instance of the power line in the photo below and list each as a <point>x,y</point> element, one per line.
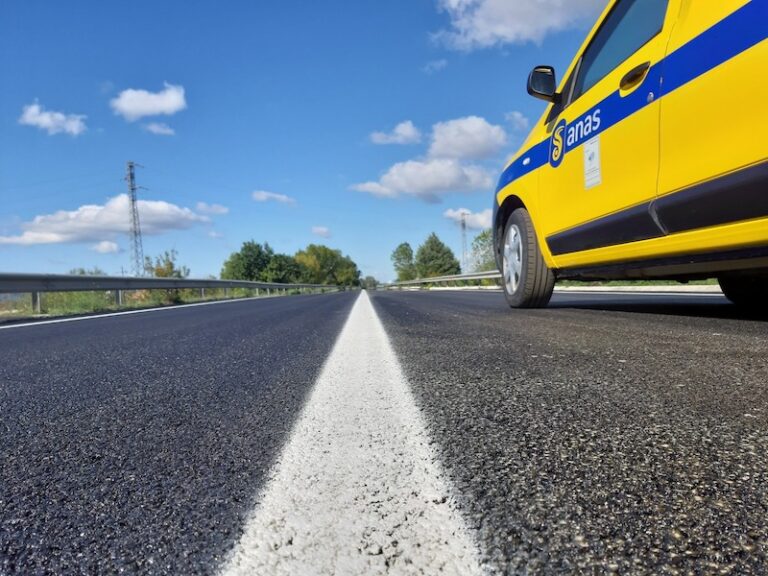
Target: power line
<point>137,247</point>
<point>464,214</point>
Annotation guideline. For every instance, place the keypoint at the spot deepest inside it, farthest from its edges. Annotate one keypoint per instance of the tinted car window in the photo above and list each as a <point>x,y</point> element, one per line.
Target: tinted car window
<point>630,25</point>
<point>562,103</point>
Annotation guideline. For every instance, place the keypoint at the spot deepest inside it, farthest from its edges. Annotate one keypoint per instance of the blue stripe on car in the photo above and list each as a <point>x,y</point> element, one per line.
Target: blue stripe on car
<point>735,34</point>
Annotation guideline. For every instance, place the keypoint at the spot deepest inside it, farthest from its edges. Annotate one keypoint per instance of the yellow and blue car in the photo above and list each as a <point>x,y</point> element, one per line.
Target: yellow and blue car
<point>651,158</point>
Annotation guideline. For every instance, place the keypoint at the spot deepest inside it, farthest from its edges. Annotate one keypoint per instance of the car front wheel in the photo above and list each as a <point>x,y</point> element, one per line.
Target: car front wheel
<point>526,279</point>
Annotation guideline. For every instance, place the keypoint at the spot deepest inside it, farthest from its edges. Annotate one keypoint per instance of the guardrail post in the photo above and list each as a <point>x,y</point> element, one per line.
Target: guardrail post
<point>36,306</point>
<point>226,292</point>
<point>269,292</point>
<point>119,298</point>
<point>202,293</point>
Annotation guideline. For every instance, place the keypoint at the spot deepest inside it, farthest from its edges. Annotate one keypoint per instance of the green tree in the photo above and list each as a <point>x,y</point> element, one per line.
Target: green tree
<point>248,263</point>
<point>369,283</point>
<point>282,269</point>
<point>433,258</point>
<point>322,265</point>
<point>165,266</point>
<point>481,258</point>
<point>402,259</point>
<point>95,271</point>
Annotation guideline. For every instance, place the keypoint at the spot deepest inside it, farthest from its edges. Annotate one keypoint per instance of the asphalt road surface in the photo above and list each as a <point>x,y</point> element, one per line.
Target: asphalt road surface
<point>620,434</point>
<point>137,443</point>
<point>405,432</point>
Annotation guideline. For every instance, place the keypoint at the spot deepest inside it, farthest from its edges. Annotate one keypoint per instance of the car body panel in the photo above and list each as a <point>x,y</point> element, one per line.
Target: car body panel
<point>625,143</point>
<point>743,234</point>
<point>719,102</point>
<point>661,156</point>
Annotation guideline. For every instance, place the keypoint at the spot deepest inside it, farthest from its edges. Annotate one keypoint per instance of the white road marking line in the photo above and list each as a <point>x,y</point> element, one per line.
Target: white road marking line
<point>357,489</point>
<point>126,313</point>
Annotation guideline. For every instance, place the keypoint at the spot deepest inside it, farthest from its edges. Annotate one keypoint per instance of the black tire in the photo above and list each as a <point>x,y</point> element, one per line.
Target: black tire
<point>747,291</point>
<point>526,279</point>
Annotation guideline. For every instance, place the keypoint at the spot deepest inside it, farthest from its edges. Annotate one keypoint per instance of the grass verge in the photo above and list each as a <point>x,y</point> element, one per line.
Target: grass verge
<point>17,306</point>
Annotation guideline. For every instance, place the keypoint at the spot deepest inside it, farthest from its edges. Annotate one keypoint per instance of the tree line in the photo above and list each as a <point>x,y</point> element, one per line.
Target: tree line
<point>319,264</point>
<point>315,264</point>
<point>434,258</point>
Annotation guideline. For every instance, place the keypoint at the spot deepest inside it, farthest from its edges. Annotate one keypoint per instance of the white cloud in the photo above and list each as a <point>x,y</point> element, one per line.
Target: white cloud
<point>133,104</point>
<point>264,196</point>
<point>205,208</point>
<point>518,120</point>
<point>427,179</point>
<point>445,169</point>
<point>52,122</point>
<point>321,231</point>
<point>96,223</point>
<point>403,133</point>
<point>214,234</point>
<point>106,247</point>
<point>159,128</point>
<point>474,220</point>
<point>484,23</point>
<point>435,66</point>
<point>470,137</point>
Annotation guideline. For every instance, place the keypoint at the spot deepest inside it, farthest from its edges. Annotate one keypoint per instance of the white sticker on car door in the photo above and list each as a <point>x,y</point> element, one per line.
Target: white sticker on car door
<point>592,173</point>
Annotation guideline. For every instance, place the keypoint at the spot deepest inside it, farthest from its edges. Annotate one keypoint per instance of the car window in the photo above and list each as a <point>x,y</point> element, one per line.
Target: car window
<point>565,94</point>
<point>629,26</point>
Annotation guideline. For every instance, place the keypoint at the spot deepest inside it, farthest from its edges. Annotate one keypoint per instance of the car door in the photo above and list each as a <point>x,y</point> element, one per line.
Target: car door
<point>713,118</point>
<point>604,146</point>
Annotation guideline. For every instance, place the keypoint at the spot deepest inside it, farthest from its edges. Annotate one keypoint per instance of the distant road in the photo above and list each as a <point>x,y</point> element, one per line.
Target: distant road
<point>402,432</point>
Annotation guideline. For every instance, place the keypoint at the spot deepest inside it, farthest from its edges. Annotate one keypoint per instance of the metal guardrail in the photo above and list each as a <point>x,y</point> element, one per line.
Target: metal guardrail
<point>81,283</point>
<point>494,275</point>
<point>39,283</point>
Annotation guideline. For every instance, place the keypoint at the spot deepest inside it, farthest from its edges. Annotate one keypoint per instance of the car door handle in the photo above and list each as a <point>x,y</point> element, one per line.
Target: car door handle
<point>634,76</point>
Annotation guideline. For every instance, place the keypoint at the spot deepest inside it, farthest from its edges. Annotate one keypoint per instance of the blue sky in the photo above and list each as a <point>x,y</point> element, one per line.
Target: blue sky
<point>357,124</point>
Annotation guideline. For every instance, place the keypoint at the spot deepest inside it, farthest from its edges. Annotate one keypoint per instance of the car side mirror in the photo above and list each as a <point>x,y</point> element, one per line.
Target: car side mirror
<point>542,83</point>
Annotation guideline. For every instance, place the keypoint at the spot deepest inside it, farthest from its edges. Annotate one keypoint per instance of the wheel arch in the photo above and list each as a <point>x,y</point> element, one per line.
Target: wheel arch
<point>502,213</point>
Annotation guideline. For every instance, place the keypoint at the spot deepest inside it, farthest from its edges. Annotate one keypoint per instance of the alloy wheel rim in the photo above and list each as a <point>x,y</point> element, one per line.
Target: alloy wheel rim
<point>513,259</point>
